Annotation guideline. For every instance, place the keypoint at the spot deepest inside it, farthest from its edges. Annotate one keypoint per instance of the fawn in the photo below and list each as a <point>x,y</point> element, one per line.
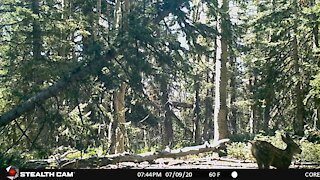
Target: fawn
<point>268,155</point>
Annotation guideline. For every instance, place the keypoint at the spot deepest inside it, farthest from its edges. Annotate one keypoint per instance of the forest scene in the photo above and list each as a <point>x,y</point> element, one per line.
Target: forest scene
<point>160,84</point>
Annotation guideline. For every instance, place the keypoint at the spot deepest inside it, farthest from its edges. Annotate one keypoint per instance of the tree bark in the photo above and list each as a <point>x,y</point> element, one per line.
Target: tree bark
<point>253,124</point>
<point>208,105</point>
<point>318,117</point>
<point>119,117</point>
<point>233,94</point>
<point>167,120</point>
<point>197,57</point>
<point>36,32</point>
<point>266,114</point>
<point>299,120</point>
<point>119,134</point>
<point>96,22</point>
<point>117,14</point>
<point>253,110</point>
<point>220,109</point>
<point>196,111</point>
<point>208,128</point>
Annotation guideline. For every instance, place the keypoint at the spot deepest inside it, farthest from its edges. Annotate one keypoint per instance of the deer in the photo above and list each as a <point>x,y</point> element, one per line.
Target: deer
<point>267,155</point>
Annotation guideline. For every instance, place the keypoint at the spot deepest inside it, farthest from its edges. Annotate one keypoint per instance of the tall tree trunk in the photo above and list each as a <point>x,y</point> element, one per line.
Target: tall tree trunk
<point>269,96</point>
<point>121,12</point>
<point>96,24</point>
<point>318,116</point>
<point>253,110</point>
<point>36,35</point>
<point>233,94</point>
<point>196,111</point>
<point>167,120</point>
<point>315,32</point>
<point>266,114</point>
<point>299,120</point>
<point>119,110</point>
<point>220,109</point>
<point>117,14</point>
<point>197,57</point>
<point>252,119</point>
<point>117,131</point>
<point>208,104</point>
<point>36,31</point>
<point>146,138</point>
<point>212,82</point>
<point>208,116</point>
<point>66,9</point>
<point>112,135</point>
<point>114,123</point>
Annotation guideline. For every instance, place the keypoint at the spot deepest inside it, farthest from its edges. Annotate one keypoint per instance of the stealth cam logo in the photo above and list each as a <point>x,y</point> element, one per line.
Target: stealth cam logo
<point>12,172</point>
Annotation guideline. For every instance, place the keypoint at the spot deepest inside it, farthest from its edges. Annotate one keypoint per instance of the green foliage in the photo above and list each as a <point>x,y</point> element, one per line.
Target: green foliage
<point>147,149</point>
<point>11,159</point>
<point>269,42</point>
<point>312,135</point>
<point>94,151</point>
<point>243,137</point>
<point>239,150</point>
<point>74,153</point>
<point>315,88</point>
<point>310,151</point>
<point>40,46</point>
<point>182,143</point>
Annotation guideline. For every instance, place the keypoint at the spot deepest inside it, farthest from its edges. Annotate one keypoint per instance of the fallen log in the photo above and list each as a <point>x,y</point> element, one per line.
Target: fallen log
<point>95,161</point>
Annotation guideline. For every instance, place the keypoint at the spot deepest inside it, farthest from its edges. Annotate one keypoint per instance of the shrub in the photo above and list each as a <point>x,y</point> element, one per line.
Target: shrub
<point>310,151</point>
<point>239,150</point>
<point>11,159</point>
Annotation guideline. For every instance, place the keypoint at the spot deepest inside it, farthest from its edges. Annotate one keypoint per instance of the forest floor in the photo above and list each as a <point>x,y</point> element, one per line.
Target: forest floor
<point>209,162</point>
<point>195,163</point>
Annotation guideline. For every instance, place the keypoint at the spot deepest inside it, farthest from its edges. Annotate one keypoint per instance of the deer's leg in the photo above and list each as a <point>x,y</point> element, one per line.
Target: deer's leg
<point>260,165</point>
<point>267,165</point>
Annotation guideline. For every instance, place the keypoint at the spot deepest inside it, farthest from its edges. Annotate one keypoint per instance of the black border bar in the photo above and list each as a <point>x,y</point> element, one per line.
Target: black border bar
<point>134,174</point>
